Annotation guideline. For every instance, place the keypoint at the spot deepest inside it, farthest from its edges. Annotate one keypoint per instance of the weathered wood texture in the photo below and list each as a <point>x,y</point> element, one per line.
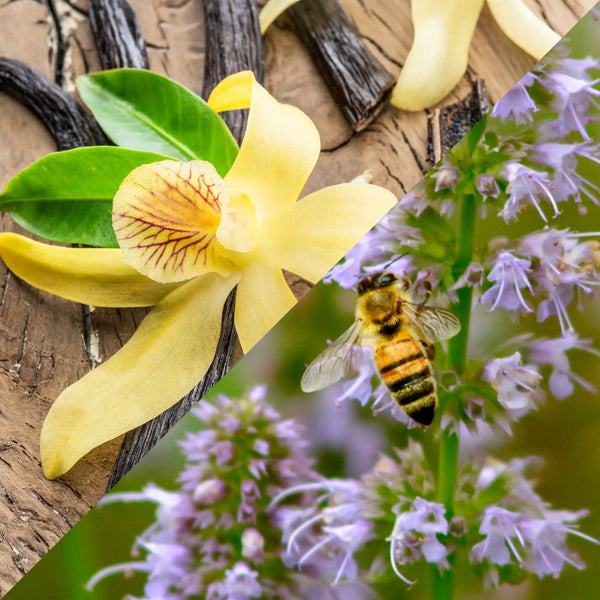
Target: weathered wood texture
<point>42,347</point>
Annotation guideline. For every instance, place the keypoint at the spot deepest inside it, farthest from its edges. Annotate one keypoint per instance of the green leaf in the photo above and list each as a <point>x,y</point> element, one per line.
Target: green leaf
<point>146,111</point>
<point>67,196</point>
<point>432,224</point>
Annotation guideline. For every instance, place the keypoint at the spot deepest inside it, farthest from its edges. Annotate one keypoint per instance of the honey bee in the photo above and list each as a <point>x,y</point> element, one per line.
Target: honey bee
<point>401,333</point>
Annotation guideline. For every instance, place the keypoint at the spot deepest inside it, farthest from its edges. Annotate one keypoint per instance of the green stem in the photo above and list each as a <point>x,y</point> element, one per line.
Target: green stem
<point>457,346</point>
<point>443,587</point>
<point>442,584</point>
<point>447,471</point>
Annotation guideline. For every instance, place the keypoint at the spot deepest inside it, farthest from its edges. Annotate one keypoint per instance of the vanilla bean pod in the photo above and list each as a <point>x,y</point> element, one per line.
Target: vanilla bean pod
<point>68,122</point>
<point>357,81</point>
<point>448,125</point>
<point>233,43</point>
<point>117,35</point>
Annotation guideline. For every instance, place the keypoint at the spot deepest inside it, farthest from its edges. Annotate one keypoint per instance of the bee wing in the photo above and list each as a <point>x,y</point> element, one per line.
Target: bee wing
<point>334,363</point>
<point>436,324</point>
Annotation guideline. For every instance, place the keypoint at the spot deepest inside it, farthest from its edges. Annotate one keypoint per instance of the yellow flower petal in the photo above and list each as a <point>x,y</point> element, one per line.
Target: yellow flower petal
<point>167,355</point>
<point>323,226</point>
<point>233,92</point>
<point>166,215</point>
<point>522,27</point>
<point>239,225</point>
<point>438,57</point>
<point>271,10</point>
<point>263,298</point>
<point>96,276</point>
<point>278,152</point>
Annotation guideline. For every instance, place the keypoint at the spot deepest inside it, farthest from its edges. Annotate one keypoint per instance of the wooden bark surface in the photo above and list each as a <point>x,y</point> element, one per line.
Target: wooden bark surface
<point>42,338</point>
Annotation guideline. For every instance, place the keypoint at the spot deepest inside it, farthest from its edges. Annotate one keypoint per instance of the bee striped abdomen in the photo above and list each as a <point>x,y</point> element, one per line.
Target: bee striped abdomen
<point>406,371</point>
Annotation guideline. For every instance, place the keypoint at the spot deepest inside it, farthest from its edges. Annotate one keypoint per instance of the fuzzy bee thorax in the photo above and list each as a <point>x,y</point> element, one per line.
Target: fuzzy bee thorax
<point>378,306</point>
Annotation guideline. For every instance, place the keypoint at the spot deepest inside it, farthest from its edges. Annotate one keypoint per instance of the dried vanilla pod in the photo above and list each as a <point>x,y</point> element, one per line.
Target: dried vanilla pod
<point>117,35</point>
<point>233,43</point>
<point>357,81</point>
<point>68,122</point>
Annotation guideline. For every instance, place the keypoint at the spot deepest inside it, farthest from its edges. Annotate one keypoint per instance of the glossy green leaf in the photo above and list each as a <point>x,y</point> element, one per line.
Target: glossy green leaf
<point>146,111</point>
<point>67,196</point>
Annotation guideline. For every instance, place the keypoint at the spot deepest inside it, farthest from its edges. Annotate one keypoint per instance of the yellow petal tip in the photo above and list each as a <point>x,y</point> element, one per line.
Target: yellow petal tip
<point>233,92</point>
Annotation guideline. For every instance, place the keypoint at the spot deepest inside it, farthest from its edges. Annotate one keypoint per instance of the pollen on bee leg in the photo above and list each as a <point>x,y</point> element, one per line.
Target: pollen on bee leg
<point>166,215</point>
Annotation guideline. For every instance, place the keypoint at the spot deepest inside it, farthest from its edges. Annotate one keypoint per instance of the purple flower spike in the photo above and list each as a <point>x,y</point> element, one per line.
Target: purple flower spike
<point>212,529</point>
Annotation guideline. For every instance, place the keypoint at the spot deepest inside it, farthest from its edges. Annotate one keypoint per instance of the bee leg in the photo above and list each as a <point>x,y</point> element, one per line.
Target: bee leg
<point>406,283</point>
<point>429,349</point>
<point>426,293</point>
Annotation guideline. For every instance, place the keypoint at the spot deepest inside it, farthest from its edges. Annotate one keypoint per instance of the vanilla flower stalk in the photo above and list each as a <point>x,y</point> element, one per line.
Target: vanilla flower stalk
<point>443,30</point>
<point>188,234</point>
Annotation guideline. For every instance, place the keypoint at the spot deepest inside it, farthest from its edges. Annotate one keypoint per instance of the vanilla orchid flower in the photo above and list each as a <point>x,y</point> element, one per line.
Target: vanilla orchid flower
<point>187,238</point>
<point>442,36</point>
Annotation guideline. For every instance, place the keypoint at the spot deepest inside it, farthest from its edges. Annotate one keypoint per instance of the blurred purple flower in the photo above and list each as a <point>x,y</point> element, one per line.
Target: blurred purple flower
<point>537,544</point>
<point>446,177</point>
<point>487,186</point>
<point>563,265</point>
<point>546,539</point>
<point>472,277</point>
<point>567,181</point>
<point>328,536</point>
<point>416,201</point>
<point>522,528</point>
<point>517,102</point>
<point>241,583</point>
<point>553,352</point>
<point>574,92</point>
